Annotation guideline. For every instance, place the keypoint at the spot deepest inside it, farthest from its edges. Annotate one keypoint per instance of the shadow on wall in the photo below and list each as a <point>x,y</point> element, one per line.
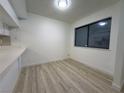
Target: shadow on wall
<point>31,57</point>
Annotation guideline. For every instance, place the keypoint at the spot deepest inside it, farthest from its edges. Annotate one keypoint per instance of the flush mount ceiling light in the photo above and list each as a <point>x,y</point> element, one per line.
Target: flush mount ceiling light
<point>63,4</point>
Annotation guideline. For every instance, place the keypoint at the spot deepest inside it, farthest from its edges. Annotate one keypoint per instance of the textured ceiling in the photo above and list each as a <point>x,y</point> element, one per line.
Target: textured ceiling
<point>78,9</point>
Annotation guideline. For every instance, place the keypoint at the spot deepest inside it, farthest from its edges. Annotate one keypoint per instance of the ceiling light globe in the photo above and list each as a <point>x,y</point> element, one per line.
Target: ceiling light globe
<point>62,4</point>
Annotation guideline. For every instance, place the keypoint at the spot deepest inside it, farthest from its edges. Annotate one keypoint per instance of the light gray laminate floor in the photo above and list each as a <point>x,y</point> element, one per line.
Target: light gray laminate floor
<point>65,76</point>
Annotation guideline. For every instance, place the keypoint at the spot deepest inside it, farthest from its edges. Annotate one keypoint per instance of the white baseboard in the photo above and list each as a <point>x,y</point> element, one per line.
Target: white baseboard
<point>94,67</point>
<point>116,87</point>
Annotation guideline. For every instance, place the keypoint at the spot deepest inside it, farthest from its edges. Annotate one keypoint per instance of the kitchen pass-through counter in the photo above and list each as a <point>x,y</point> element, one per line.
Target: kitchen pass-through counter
<point>10,67</point>
<point>8,55</point>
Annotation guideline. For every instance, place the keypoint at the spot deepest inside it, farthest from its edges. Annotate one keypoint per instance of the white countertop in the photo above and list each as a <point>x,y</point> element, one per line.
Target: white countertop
<point>8,55</point>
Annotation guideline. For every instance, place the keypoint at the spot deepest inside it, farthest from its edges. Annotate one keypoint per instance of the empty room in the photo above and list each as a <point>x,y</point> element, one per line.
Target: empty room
<point>61,46</point>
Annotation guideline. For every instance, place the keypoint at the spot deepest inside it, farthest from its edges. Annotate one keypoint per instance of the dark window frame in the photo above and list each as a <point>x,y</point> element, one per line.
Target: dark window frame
<point>88,25</point>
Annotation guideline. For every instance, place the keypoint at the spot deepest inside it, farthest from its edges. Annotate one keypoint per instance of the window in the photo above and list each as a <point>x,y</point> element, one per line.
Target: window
<point>95,35</point>
<point>81,36</point>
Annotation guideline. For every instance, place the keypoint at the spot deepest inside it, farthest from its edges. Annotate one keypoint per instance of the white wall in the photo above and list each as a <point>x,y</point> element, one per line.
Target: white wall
<point>119,67</point>
<point>100,59</point>
<point>46,39</point>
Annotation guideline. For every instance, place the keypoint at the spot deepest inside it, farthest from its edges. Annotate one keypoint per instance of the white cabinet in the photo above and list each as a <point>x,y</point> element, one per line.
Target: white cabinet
<point>10,67</point>
<point>6,32</point>
<point>9,77</point>
<point>7,14</point>
<point>1,28</point>
<point>19,7</point>
<point>4,29</point>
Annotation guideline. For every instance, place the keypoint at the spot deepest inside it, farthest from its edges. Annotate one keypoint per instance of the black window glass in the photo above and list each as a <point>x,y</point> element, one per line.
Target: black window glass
<point>81,36</point>
<point>99,34</point>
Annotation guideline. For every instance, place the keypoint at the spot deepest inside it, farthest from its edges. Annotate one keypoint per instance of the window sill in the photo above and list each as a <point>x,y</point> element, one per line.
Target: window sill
<point>93,48</point>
